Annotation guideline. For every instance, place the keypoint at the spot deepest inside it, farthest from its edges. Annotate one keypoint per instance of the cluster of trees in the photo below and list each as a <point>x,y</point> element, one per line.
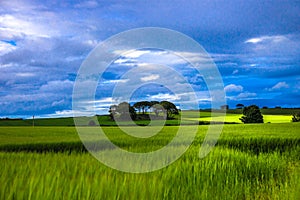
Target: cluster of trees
<point>124,111</point>
<point>296,117</point>
<point>252,114</point>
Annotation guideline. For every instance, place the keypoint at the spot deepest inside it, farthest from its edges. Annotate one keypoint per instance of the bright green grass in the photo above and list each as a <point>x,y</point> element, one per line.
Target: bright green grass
<point>224,174</point>
<point>205,116</point>
<point>190,117</point>
<point>255,161</point>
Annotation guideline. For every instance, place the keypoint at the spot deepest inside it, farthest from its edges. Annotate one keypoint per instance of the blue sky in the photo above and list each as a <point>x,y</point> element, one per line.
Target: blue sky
<point>255,45</point>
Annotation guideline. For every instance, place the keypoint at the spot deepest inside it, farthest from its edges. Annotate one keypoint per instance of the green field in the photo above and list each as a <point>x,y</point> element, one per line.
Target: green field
<point>254,161</point>
<point>235,118</point>
<point>190,117</point>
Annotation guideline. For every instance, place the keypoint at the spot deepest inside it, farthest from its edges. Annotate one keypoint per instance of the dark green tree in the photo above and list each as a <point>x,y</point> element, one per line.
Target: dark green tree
<point>92,123</point>
<point>252,114</point>
<point>138,106</point>
<point>126,111</point>
<point>157,108</point>
<point>170,109</point>
<point>112,111</point>
<point>152,103</point>
<point>296,117</point>
<point>145,105</point>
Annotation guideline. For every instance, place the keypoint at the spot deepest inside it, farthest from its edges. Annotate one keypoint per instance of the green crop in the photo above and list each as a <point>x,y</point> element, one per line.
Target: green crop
<point>256,161</point>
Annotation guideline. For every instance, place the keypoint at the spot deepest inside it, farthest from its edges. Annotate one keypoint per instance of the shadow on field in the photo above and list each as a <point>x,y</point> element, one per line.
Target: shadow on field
<point>53,147</point>
<point>249,145</point>
<point>260,145</point>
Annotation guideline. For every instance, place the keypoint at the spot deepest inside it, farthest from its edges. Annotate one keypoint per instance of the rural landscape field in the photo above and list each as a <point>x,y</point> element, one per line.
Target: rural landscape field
<point>250,161</point>
<point>138,100</point>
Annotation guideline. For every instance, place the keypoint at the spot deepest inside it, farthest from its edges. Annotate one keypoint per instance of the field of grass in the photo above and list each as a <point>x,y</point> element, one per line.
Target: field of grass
<point>255,161</point>
<point>235,118</point>
<point>191,117</point>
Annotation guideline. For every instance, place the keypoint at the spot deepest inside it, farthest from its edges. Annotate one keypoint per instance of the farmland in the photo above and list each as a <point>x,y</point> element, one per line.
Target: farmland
<point>255,161</point>
<point>271,115</point>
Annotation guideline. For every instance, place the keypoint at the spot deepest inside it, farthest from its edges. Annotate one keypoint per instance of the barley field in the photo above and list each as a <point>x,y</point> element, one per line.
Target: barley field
<point>255,161</point>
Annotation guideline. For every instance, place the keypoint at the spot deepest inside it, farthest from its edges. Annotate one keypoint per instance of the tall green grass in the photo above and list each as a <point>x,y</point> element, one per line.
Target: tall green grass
<point>224,174</point>
<point>255,161</point>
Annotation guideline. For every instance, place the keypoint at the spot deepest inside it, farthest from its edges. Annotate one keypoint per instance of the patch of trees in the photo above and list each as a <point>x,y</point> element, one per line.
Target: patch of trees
<point>224,107</point>
<point>296,117</point>
<point>124,111</point>
<point>252,114</point>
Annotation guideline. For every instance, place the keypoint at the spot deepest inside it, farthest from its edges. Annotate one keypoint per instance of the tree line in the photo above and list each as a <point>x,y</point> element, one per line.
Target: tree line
<point>166,109</point>
<point>125,111</point>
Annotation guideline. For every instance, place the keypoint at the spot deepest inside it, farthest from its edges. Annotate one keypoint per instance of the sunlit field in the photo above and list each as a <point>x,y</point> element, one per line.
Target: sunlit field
<point>256,161</point>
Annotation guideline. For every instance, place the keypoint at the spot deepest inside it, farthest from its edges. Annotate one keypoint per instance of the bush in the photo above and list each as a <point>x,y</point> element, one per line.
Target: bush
<point>296,117</point>
<point>252,114</point>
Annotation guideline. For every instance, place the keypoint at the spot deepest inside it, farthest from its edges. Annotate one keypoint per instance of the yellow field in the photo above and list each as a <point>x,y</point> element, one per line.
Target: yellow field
<point>205,116</point>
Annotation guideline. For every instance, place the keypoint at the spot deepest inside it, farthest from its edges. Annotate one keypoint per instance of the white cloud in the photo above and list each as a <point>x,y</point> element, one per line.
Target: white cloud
<point>63,113</point>
<point>164,96</point>
<point>253,40</point>
<point>162,57</point>
<point>25,74</point>
<point>246,95</point>
<point>233,88</point>
<point>115,81</point>
<point>278,86</point>
<point>274,39</point>
<point>12,26</point>
<point>57,86</point>
<point>276,45</point>
<point>103,100</point>
<point>134,53</point>
<point>151,77</point>
<point>243,96</point>
<point>235,71</point>
<point>58,103</point>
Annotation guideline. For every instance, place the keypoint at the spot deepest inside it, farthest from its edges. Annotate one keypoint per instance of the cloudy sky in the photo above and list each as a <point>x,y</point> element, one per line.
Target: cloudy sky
<point>255,45</point>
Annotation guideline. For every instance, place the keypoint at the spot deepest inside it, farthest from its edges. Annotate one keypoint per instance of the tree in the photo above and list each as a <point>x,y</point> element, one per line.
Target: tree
<point>239,106</point>
<point>112,111</point>
<point>252,114</point>
<point>142,106</point>
<point>124,110</point>
<point>138,106</point>
<point>170,109</point>
<point>145,105</point>
<point>152,103</point>
<point>92,123</point>
<point>224,107</point>
<point>296,117</point>
<point>157,108</point>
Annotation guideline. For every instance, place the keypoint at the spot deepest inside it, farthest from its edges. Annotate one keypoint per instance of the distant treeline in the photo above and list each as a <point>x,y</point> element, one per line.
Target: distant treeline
<point>6,118</point>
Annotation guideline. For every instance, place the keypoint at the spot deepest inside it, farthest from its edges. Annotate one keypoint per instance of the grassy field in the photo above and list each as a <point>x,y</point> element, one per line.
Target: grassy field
<point>235,118</point>
<point>192,117</point>
<point>255,161</point>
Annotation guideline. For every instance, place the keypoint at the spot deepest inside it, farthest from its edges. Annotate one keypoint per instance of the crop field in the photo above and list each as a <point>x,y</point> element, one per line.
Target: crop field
<point>255,161</point>
<point>190,117</point>
<point>235,118</point>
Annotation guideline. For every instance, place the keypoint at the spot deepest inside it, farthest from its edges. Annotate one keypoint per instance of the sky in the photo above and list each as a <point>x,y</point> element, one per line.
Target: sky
<point>254,44</point>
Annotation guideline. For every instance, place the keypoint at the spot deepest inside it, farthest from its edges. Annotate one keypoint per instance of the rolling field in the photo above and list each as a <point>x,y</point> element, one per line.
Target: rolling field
<point>235,118</point>
<point>271,115</point>
<point>255,161</point>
